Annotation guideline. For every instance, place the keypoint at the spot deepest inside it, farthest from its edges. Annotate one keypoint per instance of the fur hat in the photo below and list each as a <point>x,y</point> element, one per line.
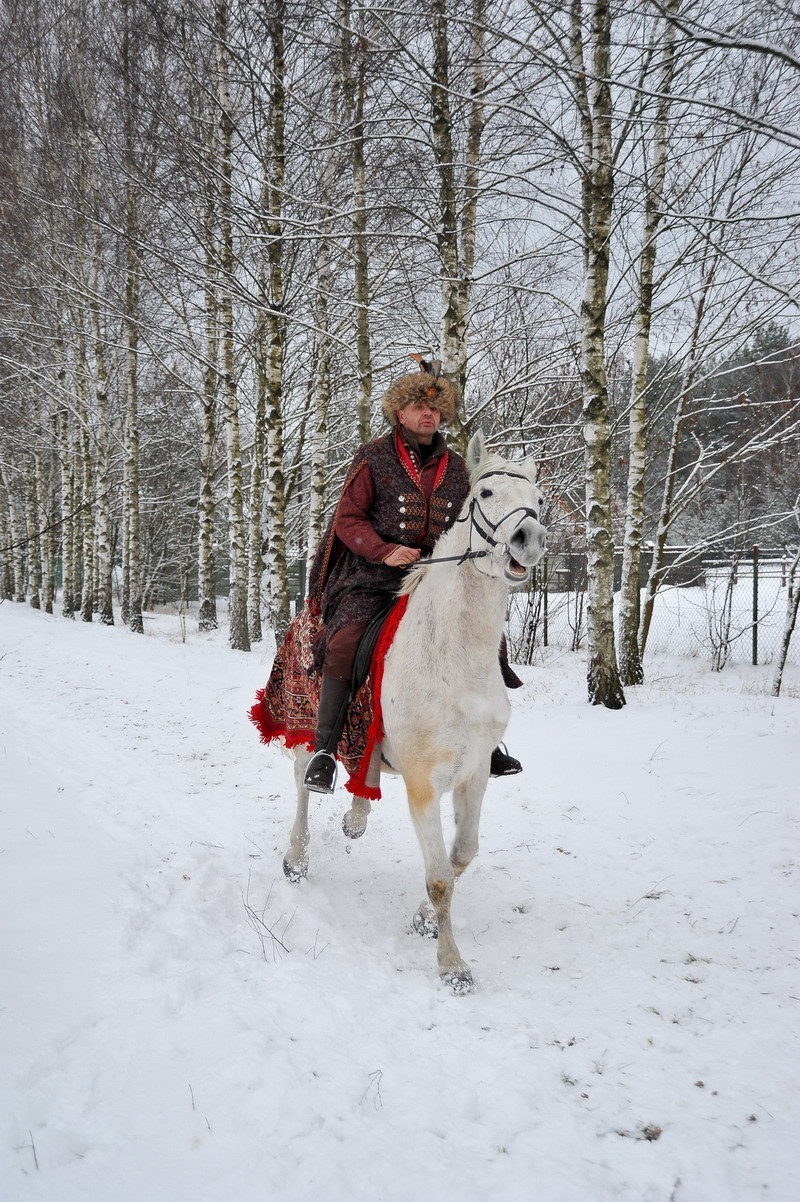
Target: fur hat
<point>426,384</point>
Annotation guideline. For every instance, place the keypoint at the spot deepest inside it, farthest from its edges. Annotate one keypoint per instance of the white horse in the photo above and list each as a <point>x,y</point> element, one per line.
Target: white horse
<point>444,704</point>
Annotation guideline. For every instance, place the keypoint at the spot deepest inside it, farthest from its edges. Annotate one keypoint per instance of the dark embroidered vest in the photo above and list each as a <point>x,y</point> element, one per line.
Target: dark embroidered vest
<point>401,512</point>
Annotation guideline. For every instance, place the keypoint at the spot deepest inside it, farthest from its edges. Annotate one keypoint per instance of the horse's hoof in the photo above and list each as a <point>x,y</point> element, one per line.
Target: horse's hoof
<point>460,981</point>
<point>425,924</point>
<point>294,872</point>
<point>351,829</point>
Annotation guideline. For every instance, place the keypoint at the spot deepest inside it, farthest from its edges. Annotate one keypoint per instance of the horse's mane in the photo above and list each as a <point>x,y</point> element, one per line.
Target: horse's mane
<point>496,463</point>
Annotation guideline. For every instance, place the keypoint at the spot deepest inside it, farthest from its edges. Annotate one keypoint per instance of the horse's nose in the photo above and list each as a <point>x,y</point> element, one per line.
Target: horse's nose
<point>529,541</point>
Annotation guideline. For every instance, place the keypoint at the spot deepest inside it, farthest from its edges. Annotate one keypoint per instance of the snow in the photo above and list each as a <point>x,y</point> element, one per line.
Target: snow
<point>630,921</point>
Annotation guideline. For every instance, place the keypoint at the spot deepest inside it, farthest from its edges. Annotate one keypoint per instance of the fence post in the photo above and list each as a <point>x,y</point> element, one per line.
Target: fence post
<point>545,574</point>
<point>755,606</point>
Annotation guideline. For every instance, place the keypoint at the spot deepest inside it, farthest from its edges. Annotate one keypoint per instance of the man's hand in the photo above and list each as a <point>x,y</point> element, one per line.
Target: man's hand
<point>401,557</point>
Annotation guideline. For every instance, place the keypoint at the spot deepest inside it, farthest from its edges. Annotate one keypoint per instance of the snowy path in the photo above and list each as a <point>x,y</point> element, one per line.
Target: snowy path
<point>631,921</point>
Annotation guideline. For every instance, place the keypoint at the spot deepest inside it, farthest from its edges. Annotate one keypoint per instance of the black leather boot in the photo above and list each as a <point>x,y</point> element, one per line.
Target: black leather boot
<point>320,774</point>
<point>504,764</point>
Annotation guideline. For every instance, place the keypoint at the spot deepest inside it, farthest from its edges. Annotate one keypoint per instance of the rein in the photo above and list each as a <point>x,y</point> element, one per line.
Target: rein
<point>486,534</point>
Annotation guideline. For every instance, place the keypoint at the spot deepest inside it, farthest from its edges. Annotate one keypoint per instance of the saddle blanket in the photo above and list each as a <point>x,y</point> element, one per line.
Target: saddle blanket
<point>286,708</point>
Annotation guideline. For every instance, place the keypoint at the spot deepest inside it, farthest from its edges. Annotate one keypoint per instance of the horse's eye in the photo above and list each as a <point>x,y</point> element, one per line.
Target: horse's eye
<point>486,492</point>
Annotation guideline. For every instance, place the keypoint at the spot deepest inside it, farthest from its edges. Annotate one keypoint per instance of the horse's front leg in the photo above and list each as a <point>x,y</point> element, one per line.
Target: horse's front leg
<point>439,877</point>
<point>295,862</point>
<point>467,802</point>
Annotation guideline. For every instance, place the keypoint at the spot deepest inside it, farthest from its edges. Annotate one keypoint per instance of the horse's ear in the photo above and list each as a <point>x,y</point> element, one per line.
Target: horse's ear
<point>529,463</point>
<point>476,452</point>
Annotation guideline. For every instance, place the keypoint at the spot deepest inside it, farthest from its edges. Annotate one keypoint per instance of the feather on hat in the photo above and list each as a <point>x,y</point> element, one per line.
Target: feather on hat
<point>426,384</point>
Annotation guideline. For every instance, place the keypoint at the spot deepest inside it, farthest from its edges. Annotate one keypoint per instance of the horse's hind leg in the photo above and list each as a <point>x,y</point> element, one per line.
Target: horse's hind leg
<point>295,862</point>
<point>439,878</point>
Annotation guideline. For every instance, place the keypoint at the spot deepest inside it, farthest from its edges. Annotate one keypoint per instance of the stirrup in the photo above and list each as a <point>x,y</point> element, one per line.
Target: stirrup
<point>320,773</point>
<point>502,763</point>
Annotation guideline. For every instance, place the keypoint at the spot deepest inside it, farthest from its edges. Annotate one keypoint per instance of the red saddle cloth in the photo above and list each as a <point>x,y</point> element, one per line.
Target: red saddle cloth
<point>286,708</point>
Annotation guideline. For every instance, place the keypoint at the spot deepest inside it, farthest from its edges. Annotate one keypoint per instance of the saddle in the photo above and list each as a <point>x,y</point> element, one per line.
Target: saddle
<point>366,648</point>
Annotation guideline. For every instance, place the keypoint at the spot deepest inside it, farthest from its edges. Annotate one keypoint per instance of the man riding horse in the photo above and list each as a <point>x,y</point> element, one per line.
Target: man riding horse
<point>401,492</point>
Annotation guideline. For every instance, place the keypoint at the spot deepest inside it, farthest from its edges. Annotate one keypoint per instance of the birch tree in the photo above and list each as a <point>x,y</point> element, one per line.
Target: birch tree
<point>458,208</point>
<point>238,635</point>
<point>273,294</point>
<point>353,57</point>
<point>630,661</point>
<point>790,622</point>
<point>604,684</point>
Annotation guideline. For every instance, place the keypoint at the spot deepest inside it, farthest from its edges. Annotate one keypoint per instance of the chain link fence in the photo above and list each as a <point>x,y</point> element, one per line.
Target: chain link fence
<point>729,607</point>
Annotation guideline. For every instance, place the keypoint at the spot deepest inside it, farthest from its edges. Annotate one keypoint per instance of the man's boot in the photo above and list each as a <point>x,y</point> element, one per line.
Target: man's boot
<point>504,764</point>
<point>320,775</point>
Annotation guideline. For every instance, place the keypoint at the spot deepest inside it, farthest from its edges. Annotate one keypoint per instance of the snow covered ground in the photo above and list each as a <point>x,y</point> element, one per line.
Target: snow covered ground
<point>178,1023</point>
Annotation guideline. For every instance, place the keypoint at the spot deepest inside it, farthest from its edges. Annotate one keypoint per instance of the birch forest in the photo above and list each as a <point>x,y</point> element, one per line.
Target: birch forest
<point>225,224</point>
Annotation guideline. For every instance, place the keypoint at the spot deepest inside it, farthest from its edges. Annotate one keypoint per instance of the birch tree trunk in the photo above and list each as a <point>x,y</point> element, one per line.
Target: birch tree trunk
<point>238,636</point>
<point>102,505</point>
<point>792,604</point>
<point>6,545</point>
<point>452,316</point>
<point>16,533</point>
<point>476,123</point>
<point>603,676</point>
<point>206,565</point>
<point>354,85</point>
<point>318,453</point>
<point>277,582</point>
<point>457,232</point>
<point>83,479</point>
<point>47,519</point>
<point>320,387</point>
<point>67,516</point>
<point>33,522</point>
<point>132,500</point>
<point>105,566</point>
<point>255,555</point>
<point>124,539</point>
<point>631,670</point>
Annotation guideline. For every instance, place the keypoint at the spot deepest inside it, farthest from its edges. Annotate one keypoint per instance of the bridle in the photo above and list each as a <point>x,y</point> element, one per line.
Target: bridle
<point>487,535</point>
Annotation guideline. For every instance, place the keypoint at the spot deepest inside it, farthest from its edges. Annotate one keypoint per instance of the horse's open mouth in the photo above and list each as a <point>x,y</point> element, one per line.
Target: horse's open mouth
<point>515,570</point>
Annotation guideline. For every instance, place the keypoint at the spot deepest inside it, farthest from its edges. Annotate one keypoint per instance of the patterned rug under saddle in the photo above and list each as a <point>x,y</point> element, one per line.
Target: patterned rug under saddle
<point>286,708</point>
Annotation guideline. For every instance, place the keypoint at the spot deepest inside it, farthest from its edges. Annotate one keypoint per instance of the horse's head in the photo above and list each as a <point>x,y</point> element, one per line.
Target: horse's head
<point>505,506</point>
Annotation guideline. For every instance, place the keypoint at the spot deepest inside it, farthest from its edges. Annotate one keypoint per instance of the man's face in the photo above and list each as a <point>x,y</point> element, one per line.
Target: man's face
<point>422,419</point>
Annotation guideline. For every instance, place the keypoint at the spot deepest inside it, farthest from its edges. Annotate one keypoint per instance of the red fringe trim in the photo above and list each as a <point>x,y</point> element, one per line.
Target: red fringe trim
<point>269,731</point>
<point>355,787</point>
<point>357,783</point>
